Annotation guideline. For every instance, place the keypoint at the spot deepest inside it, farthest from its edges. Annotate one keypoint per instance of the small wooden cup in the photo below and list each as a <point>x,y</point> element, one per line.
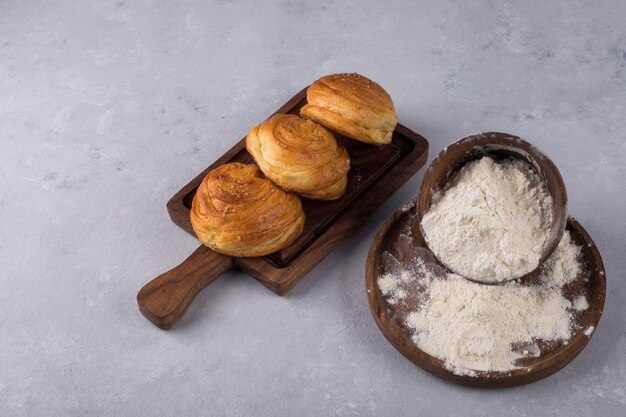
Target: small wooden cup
<point>498,146</point>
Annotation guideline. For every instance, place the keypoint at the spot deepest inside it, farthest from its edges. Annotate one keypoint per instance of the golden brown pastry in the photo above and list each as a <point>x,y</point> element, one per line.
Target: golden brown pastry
<point>352,105</point>
<point>300,156</point>
<point>239,212</point>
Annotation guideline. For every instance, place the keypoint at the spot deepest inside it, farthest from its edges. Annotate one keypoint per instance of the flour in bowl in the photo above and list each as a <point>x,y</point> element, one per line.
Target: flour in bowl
<point>474,327</point>
<point>491,221</point>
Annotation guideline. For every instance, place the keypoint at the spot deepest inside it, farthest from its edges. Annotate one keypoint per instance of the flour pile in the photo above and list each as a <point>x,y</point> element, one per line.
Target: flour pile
<point>491,221</point>
<point>475,327</point>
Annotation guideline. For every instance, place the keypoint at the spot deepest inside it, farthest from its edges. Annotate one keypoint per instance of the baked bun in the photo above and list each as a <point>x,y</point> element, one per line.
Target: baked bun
<point>238,212</point>
<point>300,156</point>
<point>352,105</point>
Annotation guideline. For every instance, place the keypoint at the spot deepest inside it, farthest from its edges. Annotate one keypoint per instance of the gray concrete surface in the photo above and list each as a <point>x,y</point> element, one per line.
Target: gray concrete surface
<point>108,107</point>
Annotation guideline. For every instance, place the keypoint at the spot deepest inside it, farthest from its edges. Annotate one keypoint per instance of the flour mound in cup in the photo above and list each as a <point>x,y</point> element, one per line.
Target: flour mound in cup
<point>491,221</point>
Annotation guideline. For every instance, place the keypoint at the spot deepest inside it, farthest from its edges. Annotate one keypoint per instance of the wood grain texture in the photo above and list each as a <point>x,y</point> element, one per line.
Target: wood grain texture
<point>165,299</point>
<point>375,174</point>
<point>553,357</point>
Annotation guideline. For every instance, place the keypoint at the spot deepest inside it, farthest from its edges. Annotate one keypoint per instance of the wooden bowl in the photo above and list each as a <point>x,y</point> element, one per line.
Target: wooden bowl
<point>498,146</point>
<point>392,238</point>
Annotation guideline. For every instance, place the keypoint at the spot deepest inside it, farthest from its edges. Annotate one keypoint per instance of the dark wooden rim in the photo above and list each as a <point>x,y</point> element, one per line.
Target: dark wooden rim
<point>552,363</point>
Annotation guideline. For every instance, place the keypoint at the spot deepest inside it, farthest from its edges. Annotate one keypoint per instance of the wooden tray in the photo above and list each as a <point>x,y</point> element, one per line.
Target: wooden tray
<point>375,174</point>
<point>554,356</point>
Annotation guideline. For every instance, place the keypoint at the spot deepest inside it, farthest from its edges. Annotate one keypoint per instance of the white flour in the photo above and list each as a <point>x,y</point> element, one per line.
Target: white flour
<point>491,221</point>
<point>474,327</point>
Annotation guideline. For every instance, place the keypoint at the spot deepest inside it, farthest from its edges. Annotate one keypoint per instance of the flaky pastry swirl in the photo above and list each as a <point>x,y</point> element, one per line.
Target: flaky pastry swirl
<point>352,105</point>
<point>300,156</point>
<point>238,212</point>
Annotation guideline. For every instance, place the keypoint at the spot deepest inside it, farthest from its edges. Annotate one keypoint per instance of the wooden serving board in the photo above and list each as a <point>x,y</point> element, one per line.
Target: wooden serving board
<point>375,174</point>
<point>553,356</point>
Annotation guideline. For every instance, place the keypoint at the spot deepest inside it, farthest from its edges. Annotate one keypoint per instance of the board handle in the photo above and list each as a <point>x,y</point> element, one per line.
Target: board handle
<point>165,299</point>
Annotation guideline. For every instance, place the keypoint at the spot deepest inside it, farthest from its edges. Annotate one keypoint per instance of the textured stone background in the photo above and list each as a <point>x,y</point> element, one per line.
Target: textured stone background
<point>109,107</point>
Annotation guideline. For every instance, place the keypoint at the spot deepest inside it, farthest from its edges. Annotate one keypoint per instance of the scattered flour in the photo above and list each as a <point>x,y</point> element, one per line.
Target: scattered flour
<point>474,327</point>
<point>581,303</point>
<point>491,221</point>
<point>559,269</point>
<point>388,284</point>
